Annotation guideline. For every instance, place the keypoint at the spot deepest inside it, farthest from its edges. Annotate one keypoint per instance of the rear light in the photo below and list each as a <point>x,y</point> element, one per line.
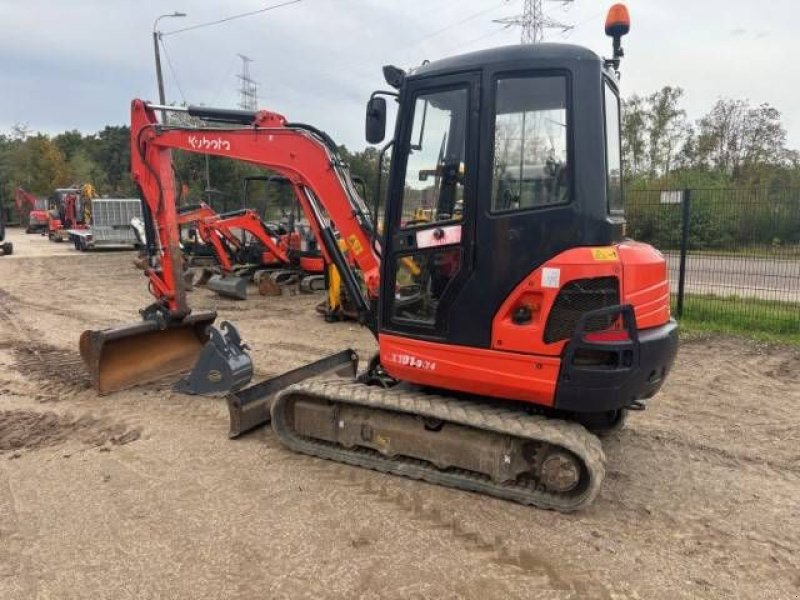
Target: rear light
<point>607,337</point>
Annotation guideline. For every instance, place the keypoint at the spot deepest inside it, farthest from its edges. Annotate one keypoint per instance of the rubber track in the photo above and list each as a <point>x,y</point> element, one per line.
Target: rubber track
<point>502,420</point>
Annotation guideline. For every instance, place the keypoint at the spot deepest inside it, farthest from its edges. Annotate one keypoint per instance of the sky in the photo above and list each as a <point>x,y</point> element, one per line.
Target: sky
<point>77,64</point>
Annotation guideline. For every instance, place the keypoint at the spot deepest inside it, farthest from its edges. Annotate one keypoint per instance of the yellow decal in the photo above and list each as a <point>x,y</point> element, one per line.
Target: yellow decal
<point>353,242</point>
<point>607,253</point>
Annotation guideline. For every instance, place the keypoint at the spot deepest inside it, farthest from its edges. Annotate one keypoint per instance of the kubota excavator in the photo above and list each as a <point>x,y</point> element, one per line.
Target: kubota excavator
<point>532,319</point>
<point>38,215</point>
<point>273,251</point>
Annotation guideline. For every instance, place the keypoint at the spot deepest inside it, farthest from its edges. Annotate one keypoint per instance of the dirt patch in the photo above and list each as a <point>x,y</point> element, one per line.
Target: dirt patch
<point>59,370</point>
<point>30,430</point>
<point>700,498</point>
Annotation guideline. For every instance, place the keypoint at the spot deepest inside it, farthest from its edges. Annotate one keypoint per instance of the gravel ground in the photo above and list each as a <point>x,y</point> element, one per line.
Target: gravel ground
<point>141,495</point>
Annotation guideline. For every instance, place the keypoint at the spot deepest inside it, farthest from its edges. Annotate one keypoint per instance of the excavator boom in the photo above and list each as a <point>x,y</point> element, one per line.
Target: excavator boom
<point>170,337</point>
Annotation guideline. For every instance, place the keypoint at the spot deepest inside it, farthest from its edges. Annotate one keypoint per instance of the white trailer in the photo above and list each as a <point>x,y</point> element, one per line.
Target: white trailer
<point>110,225</point>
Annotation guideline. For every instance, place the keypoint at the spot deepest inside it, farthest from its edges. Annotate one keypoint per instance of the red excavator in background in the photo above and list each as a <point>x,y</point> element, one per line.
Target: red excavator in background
<point>268,248</point>
<point>38,215</point>
<point>532,324</point>
<point>70,208</point>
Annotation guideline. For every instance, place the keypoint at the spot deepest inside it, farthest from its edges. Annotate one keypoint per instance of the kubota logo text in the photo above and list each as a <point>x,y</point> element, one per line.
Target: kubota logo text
<point>204,143</point>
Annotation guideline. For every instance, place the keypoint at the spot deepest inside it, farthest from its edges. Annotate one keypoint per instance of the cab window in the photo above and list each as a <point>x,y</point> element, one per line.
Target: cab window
<point>434,181</point>
<point>530,166</point>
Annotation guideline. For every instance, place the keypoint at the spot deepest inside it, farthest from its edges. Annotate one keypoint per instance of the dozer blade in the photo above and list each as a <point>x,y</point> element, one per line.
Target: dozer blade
<point>131,355</point>
<point>250,407</point>
<point>230,286</point>
<point>223,366</point>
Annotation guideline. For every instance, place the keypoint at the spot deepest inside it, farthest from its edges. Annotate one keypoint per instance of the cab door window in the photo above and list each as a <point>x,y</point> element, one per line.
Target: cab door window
<point>434,181</point>
<point>432,209</point>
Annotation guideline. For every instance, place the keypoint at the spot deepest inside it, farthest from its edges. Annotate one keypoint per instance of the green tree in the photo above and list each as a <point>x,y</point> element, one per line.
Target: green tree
<point>38,165</point>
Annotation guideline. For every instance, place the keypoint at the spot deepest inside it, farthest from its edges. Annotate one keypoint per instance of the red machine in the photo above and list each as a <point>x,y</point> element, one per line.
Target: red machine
<point>38,215</point>
<point>274,249</point>
<point>529,322</point>
<point>70,209</point>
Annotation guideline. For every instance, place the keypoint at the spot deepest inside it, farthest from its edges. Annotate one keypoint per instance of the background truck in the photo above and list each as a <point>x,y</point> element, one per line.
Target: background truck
<point>110,225</point>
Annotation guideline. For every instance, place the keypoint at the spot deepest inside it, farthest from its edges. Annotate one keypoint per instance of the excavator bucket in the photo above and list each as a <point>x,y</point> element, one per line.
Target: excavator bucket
<point>131,355</point>
<point>223,366</point>
<point>229,286</point>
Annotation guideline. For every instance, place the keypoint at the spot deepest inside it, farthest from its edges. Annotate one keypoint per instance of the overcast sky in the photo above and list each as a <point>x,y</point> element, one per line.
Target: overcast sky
<point>76,64</point>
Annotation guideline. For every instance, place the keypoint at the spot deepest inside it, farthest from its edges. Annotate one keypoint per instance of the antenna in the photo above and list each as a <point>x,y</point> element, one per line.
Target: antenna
<point>248,89</point>
<point>533,22</point>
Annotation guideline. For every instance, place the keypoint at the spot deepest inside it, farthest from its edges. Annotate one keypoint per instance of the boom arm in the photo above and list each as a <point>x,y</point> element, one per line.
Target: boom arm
<point>302,154</point>
<point>21,197</point>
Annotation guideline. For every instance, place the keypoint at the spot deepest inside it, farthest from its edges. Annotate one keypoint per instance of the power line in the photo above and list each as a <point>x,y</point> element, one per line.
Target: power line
<point>225,80</point>
<point>172,70</point>
<point>232,17</point>
<point>481,37</point>
<point>457,23</point>
<point>414,44</point>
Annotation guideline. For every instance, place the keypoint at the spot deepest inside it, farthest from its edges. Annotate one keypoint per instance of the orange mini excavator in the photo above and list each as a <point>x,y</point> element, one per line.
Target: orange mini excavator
<point>227,234</point>
<point>38,215</point>
<point>531,324</point>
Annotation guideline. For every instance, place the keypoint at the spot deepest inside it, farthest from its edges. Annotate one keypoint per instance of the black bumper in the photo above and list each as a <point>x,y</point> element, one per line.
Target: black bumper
<point>601,376</point>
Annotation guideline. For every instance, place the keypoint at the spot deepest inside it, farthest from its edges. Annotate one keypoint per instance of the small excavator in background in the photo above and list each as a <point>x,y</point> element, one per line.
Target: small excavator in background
<point>70,209</point>
<point>245,246</point>
<point>533,324</point>
<point>38,215</point>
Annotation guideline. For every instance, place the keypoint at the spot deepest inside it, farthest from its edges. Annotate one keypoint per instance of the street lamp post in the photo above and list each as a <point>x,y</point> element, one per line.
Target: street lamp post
<point>159,76</point>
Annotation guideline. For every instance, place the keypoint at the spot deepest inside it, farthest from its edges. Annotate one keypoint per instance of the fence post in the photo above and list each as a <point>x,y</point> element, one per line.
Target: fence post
<point>685,215</point>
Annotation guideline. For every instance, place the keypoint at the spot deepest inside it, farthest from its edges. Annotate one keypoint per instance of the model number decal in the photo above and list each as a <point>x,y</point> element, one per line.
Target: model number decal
<point>204,143</point>
<point>407,360</point>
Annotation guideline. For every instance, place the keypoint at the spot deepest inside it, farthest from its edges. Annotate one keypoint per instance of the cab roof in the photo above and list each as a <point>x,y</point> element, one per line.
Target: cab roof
<point>516,55</point>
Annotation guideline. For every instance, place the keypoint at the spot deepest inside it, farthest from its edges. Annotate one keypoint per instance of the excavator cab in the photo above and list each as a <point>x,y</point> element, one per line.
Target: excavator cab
<point>513,156</point>
<point>515,147</point>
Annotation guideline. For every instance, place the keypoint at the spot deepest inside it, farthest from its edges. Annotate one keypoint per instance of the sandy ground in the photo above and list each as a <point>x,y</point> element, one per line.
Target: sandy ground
<point>141,494</point>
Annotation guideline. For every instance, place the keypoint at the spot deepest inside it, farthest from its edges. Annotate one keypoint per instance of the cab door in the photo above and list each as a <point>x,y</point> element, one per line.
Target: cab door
<point>428,252</point>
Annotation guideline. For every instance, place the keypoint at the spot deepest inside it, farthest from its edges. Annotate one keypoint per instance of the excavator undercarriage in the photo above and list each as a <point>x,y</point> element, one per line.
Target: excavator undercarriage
<point>477,446</point>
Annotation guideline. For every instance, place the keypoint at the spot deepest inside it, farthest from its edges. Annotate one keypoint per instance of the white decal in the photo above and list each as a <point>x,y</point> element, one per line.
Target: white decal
<point>439,236</point>
<point>551,277</point>
<point>407,360</point>
<point>204,143</point>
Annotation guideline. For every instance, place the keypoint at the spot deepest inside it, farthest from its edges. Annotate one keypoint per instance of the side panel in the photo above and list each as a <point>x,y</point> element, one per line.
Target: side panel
<point>539,291</point>
<point>646,283</point>
<point>471,370</point>
<point>640,269</point>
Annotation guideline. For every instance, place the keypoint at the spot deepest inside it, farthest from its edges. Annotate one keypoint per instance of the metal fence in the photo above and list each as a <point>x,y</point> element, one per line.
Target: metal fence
<point>733,254</point>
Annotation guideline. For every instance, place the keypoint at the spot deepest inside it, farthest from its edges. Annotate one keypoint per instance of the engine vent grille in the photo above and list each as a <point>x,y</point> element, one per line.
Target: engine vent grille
<point>577,298</point>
